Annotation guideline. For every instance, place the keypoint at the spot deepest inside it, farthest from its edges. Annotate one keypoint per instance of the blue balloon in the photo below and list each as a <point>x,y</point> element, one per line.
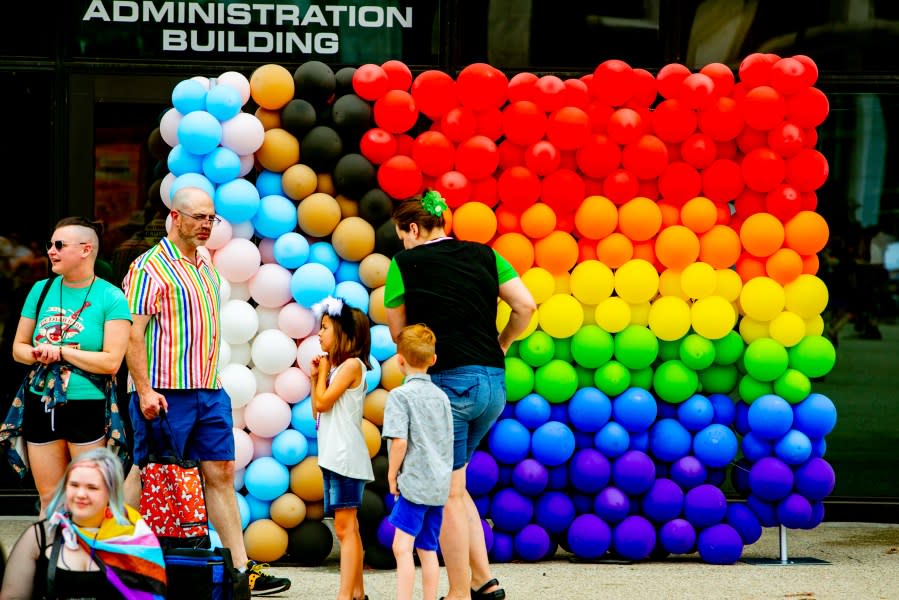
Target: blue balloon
<point>509,441</point>
<point>382,344</point>
<point>482,474</point>
<point>510,510</point>
<point>385,532</point>
<point>589,409</point>
<point>353,293</point>
<point>705,505</point>
<point>180,161</point>
<point>221,165</point>
<point>612,440</point>
<point>530,477</point>
<point>188,96</point>
<point>532,543</point>
<point>269,183</point>
<point>771,479</point>
<point>739,476</point>
<point>311,283</point>
<point>482,503</point>
<point>663,501</point>
<point>669,440</point>
<point>505,476</point>
<point>677,536</point>
<point>532,411</point>
<point>323,253</point>
<point>741,418</point>
<point>794,512</point>
<point>301,418</point>
<point>764,511</point>
<point>559,412</point>
<point>688,472</point>
<point>634,538</point>
<point>794,448</point>
<point>589,537</point>
<point>756,448</point>
<point>291,250</point>
<point>725,409</point>
<point>633,472</point>
<point>666,410</point>
<point>815,416</point>
<point>612,505</point>
<point>199,132</point>
<point>639,441</point>
<point>715,446</point>
<point>223,102</point>
<point>635,409</point>
<point>373,375</point>
<point>266,478</point>
<point>558,478</point>
<point>276,216</point>
<point>192,180</point>
<point>589,471</point>
<point>695,412</point>
<point>720,545</point>
<point>503,549</point>
<point>237,200</point>
<point>741,518</point>
<point>552,443</point>
<point>259,509</point>
<point>508,411</point>
<point>289,447</point>
<point>770,416</point>
<point>347,271</point>
<point>554,512</point>
<point>244,509</point>
<point>583,440</point>
<point>313,446</point>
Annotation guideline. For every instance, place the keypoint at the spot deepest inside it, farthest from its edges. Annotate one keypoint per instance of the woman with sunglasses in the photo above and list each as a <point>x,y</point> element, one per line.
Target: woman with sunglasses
<point>73,331</point>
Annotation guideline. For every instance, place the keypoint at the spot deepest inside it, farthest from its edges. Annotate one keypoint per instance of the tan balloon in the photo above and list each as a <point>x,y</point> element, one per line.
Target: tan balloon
<point>376,309</point>
<point>271,86</point>
<point>270,119</point>
<point>373,407</point>
<point>326,184</point>
<point>353,239</point>
<point>391,376</point>
<point>306,480</point>
<point>315,511</point>
<point>279,150</point>
<point>348,206</point>
<point>318,214</point>
<point>266,541</point>
<point>288,511</point>
<point>299,181</point>
<point>372,437</point>
<point>373,270</point>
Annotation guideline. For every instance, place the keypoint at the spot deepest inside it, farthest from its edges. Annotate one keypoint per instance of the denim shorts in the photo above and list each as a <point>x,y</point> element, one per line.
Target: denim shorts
<point>341,491</point>
<point>477,397</point>
<point>199,427</point>
<point>418,520</point>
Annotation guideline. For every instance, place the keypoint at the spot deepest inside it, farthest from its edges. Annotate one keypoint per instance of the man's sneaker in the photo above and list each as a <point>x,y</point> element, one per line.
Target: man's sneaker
<point>261,583</point>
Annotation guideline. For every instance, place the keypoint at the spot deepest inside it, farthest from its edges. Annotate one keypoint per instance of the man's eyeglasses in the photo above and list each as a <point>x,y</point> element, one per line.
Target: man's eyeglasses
<point>211,219</point>
<point>59,245</point>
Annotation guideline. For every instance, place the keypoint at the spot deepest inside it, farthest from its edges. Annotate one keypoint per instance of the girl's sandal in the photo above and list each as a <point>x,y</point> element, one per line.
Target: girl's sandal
<point>482,594</point>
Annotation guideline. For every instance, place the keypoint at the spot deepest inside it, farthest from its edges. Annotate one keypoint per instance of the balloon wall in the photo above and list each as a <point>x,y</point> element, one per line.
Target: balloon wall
<point>664,224</point>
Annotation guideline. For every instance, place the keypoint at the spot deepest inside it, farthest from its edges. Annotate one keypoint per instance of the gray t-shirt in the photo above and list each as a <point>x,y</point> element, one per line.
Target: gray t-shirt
<point>419,412</point>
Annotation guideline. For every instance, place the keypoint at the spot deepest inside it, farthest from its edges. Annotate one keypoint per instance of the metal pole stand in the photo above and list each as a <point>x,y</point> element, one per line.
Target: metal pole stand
<point>784,560</point>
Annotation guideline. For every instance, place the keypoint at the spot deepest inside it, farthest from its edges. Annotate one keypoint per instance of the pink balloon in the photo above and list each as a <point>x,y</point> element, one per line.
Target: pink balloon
<point>243,134</point>
<point>267,415</point>
<point>238,260</point>
<point>267,251</point>
<point>247,162</point>
<point>243,448</point>
<point>238,81</point>
<point>221,235</point>
<point>265,382</point>
<point>296,321</point>
<point>309,348</point>
<point>237,417</point>
<point>165,190</point>
<point>270,286</point>
<point>168,127</point>
<point>292,385</point>
<point>262,446</point>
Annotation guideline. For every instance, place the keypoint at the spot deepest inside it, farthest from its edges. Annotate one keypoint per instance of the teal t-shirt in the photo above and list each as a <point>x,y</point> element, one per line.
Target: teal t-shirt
<point>74,317</point>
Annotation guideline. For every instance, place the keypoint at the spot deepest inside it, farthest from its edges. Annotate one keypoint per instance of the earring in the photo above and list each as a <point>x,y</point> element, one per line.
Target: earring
<point>108,513</point>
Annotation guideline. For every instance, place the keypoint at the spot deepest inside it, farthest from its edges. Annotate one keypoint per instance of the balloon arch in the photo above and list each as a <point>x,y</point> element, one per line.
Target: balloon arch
<point>665,225</point>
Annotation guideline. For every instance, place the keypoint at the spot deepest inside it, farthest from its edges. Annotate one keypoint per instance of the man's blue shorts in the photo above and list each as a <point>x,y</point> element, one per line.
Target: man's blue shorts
<point>341,491</point>
<point>418,520</point>
<point>199,426</point>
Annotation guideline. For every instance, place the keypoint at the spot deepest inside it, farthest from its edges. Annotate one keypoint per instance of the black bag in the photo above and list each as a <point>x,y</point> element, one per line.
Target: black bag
<point>200,574</point>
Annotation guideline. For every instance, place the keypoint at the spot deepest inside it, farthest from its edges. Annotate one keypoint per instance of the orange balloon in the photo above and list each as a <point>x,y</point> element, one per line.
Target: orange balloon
<point>762,234</point>
<point>784,266</point>
<point>720,247</point>
<point>614,250</point>
<point>279,151</point>
<point>517,249</point>
<point>677,247</point>
<point>699,214</point>
<point>596,217</point>
<point>670,213</point>
<point>647,251</point>
<point>271,86</point>
<point>639,219</point>
<point>538,221</point>
<point>806,233</point>
<point>475,221</point>
<point>448,221</point>
<point>270,119</point>
<point>556,253</point>
<point>749,267</point>
<point>810,264</point>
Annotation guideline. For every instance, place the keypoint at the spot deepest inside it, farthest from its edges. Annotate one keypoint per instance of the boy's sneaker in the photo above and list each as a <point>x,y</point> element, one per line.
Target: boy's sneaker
<point>261,583</point>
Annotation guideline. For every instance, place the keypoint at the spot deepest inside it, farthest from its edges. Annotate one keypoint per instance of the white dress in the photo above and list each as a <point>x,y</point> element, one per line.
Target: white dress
<point>341,445</point>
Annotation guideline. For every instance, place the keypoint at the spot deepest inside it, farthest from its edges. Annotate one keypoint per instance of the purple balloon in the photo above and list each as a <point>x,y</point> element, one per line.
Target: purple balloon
<point>530,477</point>
<point>794,512</point>
<point>705,505</point>
<point>589,471</point>
<point>669,440</point>
<point>770,479</point>
<point>482,473</point>
<point>554,512</point>
<point>664,501</point>
<point>589,537</point>
<point>815,416</point>
<point>633,472</point>
<point>488,534</point>
<point>720,545</point>
<point>532,543</point>
<point>741,518</point>
<point>688,472</point>
<point>677,536</point>
<point>510,510</point>
<point>385,533</point>
<point>817,515</point>
<point>503,549</point>
<point>505,477</point>
<point>815,479</point>
<point>583,503</point>
<point>558,478</point>
<point>770,416</point>
<point>725,409</point>
<point>765,511</point>
<point>634,538</point>
<point>482,503</point>
<point>612,505</point>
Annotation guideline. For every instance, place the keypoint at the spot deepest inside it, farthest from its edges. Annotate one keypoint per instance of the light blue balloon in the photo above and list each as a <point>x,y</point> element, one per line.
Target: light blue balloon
<point>214,540</point>
<point>289,447</point>
<point>266,478</point>
<point>199,132</point>
<point>180,161</point>
<point>276,216</point>
<point>258,509</point>
<point>635,409</point>
<point>695,412</point>
<point>612,440</point>
<point>755,448</point>
<point>312,283</point>
<point>323,253</point>
<point>353,293</point>
<point>244,509</point>
<point>347,271</point>
<point>382,344</point>
<point>192,180</point>
<point>373,375</point>
<point>221,165</point>
<point>301,418</point>
<point>715,446</point>
<point>552,443</point>
<point>312,446</point>
<point>669,440</point>
<point>223,102</point>
<point>269,184</point>
<point>815,416</point>
<point>189,96</point>
<point>291,250</point>
<point>770,416</point>
<point>237,201</point>
<point>794,448</point>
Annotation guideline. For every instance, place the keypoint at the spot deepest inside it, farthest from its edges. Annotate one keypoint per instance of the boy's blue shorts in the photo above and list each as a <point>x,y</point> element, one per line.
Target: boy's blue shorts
<point>418,520</point>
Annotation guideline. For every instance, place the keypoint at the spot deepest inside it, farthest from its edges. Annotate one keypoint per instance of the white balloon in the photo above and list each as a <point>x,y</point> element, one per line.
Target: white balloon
<point>237,417</point>
<point>239,291</point>
<point>165,189</point>
<point>239,322</point>
<point>221,235</point>
<point>168,128</point>
<point>268,317</point>
<point>262,446</point>
<point>243,448</point>
<point>296,321</point>
<point>265,382</point>
<point>270,286</point>
<point>240,354</point>
<point>267,415</point>
<point>224,353</point>
<point>243,134</point>
<point>224,291</point>
<point>238,260</point>
<point>247,162</point>
<point>204,81</point>
<point>239,384</point>
<point>243,230</point>
<point>292,385</point>
<point>273,351</point>
<point>308,348</point>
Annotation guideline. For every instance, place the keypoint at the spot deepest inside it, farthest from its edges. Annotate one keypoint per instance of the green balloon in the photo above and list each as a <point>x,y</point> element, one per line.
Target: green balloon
<point>718,379</point>
<point>636,347</point>
<point>697,352</point>
<point>669,350</point>
<point>642,378</point>
<point>556,381</point>
<point>592,346</point>
<point>765,359</point>
<point>519,379</point>
<point>513,349</point>
<point>751,388</point>
<point>612,378</point>
<point>729,348</point>
<point>563,349</point>
<point>584,376</point>
<point>674,381</point>
<point>537,349</point>
<point>793,386</point>
<point>813,355</point>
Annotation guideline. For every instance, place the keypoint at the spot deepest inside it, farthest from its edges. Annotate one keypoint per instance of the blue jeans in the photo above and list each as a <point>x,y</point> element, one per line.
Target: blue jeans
<point>477,397</point>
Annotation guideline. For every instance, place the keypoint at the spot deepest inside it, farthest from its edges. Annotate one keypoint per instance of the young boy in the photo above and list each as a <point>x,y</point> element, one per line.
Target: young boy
<point>419,426</point>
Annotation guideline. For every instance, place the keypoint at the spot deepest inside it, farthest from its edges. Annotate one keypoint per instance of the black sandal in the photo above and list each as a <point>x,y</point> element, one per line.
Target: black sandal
<point>481,594</point>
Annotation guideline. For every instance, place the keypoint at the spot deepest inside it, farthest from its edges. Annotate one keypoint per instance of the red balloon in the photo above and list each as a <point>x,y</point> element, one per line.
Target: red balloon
<point>722,181</point>
<point>620,186</point>
<point>549,93</point>
<point>568,160</point>
<point>670,78</point>
<point>673,151</point>
<point>807,171</point>
<point>810,75</point>
<point>563,191</point>
<point>370,82</point>
<point>808,108</point>
<point>507,220</point>
<point>592,187</point>
<point>673,121</point>
<point>454,187</point>
<point>395,111</point>
<point>648,188</point>
<point>750,139</point>
<point>568,128</point>
<point>644,89</point>
<point>763,169</point>
<point>788,76</point>
<point>784,202</point>
<point>459,124</point>
<point>626,126</point>
<point>763,107</point>
<point>679,182</point>
<point>697,91</point>
<point>377,145</point>
<point>809,201</point>
<point>400,177</point>
<point>403,144</point>
<point>722,76</point>
<point>485,191</point>
<point>489,123</point>
<point>787,139</point>
<point>727,149</point>
<point>749,203</point>
<point>599,114</point>
<point>810,137</point>
<point>646,158</point>
<point>699,150</point>
<point>434,93</point>
<point>755,70</point>
<point>521,87</point>
<point>398,75</point>
<point>518,188</point>
<point>576,94</point>
<point>586,249</point>
<point>433,152</point>
<point>565,222</point>
<point>613,82</point>
<point>510,155</point>
<point>482,86</point>
<point>477,157</point>
<point>523,123</point>
<point>722,120</point>
<point>542,158</point>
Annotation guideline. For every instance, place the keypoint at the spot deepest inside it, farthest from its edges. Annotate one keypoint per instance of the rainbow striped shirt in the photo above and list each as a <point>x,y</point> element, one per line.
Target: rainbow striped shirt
<point>183,335</point>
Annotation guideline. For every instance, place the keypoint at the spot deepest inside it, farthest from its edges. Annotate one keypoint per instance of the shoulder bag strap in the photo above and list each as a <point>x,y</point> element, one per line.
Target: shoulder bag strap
<point>40,299</point>
<point>51,566</point>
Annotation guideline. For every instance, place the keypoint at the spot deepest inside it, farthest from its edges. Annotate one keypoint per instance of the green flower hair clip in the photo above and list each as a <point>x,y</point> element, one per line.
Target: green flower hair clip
<point>433,203</point>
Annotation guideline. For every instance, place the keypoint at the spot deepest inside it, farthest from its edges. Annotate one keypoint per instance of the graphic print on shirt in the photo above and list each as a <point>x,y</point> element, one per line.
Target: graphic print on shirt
<point>60,325</point>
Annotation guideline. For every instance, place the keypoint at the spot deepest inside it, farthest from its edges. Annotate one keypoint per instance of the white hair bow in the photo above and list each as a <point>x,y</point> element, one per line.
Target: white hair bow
<point>330,306</point>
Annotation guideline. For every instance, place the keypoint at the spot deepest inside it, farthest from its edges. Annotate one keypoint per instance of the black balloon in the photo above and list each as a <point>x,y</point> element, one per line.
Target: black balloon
<point>309,543</point>
<point>372,510</point>
<point>351,114</point>
<point>386,242</point>
<point>378,557</point>
<point>298,117</point>
<point>314,81</point>
<point>344,79</point>
<point>379,466</point>
<point>375,206</point>
<point>157,146</point>
<point>320,149</point>
<point>353,175</point>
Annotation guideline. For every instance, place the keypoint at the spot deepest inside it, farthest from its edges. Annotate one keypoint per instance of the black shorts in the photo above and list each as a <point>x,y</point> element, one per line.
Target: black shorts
<point>76,421</point>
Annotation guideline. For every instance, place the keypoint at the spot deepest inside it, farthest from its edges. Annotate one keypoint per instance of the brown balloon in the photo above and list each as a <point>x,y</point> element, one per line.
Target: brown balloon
<point>279,151</point>
<point>373,270</point>
<point>299,181</point>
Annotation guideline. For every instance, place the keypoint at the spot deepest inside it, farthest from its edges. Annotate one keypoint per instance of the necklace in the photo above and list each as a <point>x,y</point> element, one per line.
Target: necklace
<point>64,327</point>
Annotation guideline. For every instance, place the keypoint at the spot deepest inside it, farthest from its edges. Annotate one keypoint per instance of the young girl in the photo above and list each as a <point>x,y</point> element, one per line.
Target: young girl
<point>337,394</point>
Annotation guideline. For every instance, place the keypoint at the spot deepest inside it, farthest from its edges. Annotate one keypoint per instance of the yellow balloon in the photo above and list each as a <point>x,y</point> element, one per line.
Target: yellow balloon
<point>504,311</point>
<point>592,282</point>
<point>562,283</point>
<point>613,314</point>
<point>561,316</point>
<point>669,318</point>
<point>713,317</point>
<point>640,313</point>
<point>814,326</point>
<point>807,296</point>
<point>589,314</point>
<point>788,328</point>
<point>762,298</point>
<point>636,281</point>
<point>728,284</point>
<point>374,404</point>
<point>670,284</point>
<point>540,283</point>
<point>752,330</point>
<point>699,280</point>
